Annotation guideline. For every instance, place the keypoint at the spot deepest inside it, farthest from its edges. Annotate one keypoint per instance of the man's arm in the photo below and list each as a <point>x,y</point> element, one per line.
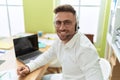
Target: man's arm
<point>43,59</point>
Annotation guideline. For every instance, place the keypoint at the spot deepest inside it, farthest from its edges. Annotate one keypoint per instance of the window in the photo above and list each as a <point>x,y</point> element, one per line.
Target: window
<point>11,17</point>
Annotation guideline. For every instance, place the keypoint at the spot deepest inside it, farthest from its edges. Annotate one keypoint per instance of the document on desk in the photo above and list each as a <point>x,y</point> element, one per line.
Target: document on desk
<point>51,36</point>
<point>46,41</point>
<point>3,51</point>
<point>6,44</point>
<point>2,61</point>
<point>8,75</point>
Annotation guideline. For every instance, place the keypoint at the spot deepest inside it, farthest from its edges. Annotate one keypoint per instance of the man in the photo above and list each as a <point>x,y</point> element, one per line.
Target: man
<point>76,54</point>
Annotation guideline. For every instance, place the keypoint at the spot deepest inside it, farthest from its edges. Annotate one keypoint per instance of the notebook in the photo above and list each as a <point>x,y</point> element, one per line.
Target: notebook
<point>26,48</point>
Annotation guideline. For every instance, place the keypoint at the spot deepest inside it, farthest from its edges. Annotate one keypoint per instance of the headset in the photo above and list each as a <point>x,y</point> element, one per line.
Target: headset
<point>77,24</point>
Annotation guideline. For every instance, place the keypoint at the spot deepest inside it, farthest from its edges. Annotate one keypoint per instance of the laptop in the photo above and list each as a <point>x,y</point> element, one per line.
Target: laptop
<point>26,48</point>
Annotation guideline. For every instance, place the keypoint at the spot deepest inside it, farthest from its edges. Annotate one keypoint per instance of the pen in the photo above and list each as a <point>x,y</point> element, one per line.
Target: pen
<point>2,51</point>
<point>50,38</point>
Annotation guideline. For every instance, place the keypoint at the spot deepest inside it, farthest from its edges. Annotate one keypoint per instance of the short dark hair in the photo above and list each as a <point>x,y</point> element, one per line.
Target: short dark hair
<point>65,8</point>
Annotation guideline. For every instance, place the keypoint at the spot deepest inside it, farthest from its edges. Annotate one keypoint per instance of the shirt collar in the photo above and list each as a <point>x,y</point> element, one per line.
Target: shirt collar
<point>70,43</point>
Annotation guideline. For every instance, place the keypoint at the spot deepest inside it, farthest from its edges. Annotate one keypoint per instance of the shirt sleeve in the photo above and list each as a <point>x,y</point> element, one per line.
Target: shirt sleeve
<point>43,59</point>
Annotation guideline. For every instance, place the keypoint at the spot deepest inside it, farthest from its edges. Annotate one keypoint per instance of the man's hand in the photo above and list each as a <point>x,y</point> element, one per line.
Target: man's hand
<point>23,71</point>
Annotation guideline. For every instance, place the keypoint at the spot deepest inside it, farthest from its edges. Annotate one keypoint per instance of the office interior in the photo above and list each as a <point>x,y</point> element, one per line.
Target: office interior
<point>97,17</point>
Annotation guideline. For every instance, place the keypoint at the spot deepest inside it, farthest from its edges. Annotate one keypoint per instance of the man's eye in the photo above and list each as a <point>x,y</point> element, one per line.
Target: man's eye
<point>58,22</point>
<point>67,22</point>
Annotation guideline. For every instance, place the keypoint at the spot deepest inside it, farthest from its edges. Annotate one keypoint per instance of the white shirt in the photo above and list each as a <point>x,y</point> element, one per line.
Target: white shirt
<point>78,57</point>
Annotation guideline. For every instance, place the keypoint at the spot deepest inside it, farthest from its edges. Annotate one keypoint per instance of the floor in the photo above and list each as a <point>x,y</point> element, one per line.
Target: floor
<point>116,72</point>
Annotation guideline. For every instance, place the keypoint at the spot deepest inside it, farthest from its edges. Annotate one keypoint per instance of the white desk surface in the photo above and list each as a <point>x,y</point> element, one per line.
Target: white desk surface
<point>9,67</point>
<point>10,60</point>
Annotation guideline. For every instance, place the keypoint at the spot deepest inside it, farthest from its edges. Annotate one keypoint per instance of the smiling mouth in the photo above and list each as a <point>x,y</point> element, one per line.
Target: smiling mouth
<point>63,32</point>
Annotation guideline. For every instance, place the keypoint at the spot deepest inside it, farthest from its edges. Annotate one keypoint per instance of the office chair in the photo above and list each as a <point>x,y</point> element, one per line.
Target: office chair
<point>54,67</point>
<point>106,68</point>
<point>104,64</point>
<point>90,37</point>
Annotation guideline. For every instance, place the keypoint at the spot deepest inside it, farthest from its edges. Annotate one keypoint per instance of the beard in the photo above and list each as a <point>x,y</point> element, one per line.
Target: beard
<point>65,35</point>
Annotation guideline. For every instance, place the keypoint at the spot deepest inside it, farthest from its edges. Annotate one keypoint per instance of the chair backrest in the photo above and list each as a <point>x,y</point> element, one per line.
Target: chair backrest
<point>90,37</point>
<point>106,68</point>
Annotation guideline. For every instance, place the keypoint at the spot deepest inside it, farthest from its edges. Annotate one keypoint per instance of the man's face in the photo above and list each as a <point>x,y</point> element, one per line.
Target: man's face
<point>65,25</point>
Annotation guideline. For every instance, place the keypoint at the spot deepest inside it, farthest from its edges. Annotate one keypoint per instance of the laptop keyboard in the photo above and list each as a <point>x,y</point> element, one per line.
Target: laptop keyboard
<point>31,56</point>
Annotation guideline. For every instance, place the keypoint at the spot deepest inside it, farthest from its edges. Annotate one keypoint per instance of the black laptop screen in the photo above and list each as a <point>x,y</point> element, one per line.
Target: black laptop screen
<point>25,45</point>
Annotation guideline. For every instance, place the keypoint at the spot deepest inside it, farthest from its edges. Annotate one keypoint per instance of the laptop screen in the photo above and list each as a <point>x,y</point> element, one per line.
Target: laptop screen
<point>25,45</point>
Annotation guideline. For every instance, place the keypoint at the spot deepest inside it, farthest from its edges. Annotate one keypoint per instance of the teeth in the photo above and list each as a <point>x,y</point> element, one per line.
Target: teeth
<point>63,33</point>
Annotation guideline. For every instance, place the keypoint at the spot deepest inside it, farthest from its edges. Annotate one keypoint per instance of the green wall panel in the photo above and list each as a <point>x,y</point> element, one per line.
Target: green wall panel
<point>38,15</point>
<point>103,27</point>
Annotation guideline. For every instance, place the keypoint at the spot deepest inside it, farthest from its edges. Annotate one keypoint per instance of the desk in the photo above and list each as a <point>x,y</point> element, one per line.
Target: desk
<point>37,74</point>
<point>12,63</point>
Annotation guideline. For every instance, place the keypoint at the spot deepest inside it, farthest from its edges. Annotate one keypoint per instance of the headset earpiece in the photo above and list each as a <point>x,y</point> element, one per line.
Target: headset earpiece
<point>77,25</point>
